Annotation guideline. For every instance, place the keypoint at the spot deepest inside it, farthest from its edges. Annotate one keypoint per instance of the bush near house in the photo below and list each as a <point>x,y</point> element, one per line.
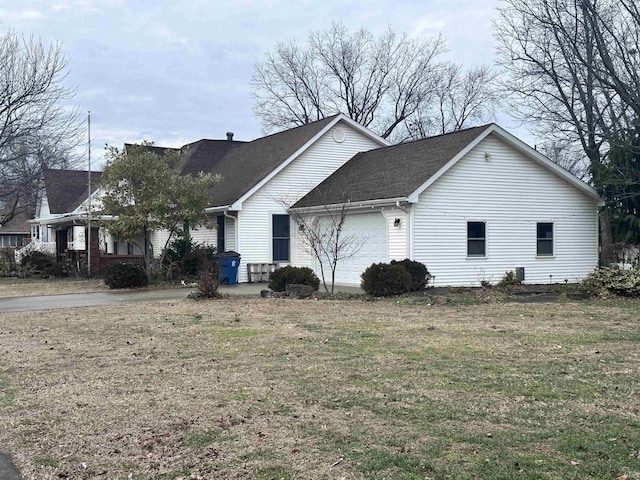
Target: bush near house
<point>420,276</point>
<point>124,275</point>
<point>606,281</point>
<point>281,277</point>
<point>384,280</point>
<point>508,280</point>
<point>38,263</point>
<point>5,264</point>
<point>187,258</point>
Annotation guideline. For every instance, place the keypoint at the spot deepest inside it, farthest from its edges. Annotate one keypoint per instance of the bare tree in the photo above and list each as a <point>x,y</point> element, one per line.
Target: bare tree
<point>323,236</point>
<point>573,74</point>
<point>459,99</point>
<point>36,130</point>
<point>321,230</point>
<point>569,156</point>
<point>390,84</point>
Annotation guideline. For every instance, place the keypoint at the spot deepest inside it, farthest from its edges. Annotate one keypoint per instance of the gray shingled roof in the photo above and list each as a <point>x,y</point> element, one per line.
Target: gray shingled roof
<point>204,155</point>
<point>390,172</point>
<point>244,167</point>
<point>241,165</point>
<point>18,224</point>
<point>66,189</point>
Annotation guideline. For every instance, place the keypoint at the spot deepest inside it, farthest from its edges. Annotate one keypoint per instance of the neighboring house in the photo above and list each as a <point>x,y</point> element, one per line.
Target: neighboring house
<point>15,233</point>
<point>61,217</point>
<point>470,205</point>
<point>259,180</point>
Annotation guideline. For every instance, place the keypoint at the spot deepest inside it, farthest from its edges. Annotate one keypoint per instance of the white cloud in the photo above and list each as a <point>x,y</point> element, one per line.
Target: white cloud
<point>21,15</point>
<point>61,6</point>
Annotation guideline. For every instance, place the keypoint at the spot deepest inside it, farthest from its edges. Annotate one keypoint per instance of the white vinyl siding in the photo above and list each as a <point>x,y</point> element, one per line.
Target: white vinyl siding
<point>204,236</point>
<point>314,165</point>
<point>397,234</point>
<point>158,240</point>
<point>511,194</point>
<point>230,234</point>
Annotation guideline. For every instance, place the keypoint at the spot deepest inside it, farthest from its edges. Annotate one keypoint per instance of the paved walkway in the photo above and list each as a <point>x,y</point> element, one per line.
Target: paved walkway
<point>8,471</point>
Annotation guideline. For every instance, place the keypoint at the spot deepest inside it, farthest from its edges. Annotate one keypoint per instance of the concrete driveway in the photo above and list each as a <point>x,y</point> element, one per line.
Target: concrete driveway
<point>8,471</point>
<point>73,300</point>
<point>51,302</point>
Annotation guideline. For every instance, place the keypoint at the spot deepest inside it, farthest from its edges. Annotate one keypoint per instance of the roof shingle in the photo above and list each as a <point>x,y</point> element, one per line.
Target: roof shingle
<point>67,189</point>
<point>244,167</point>
<point>390,172</point>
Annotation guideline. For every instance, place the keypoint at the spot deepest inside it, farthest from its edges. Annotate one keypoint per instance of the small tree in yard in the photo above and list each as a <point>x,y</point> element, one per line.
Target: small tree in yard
<point>145,192</point>
<point>323,236</point>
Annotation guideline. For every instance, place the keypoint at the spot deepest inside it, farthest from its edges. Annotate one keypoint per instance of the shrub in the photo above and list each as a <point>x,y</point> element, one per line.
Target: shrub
<point>178,248</point>
<point>208,285</point>
<point>420,276</point>
<point>612,280</point>
<point>125,275</point>
<point>37,261</point>
<point>188,257</point>
<point>58,269</point>
<point>5,263</point>
<point>508,280</point>
<point>199,260</point>
<point>281,277</point>
<point>384,280</point>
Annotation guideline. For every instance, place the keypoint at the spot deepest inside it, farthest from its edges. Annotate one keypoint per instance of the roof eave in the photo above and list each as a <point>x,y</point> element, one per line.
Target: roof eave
<point>352,205</point>
<point>414,196</point>
<point>217,209</point>
<point>237,205</point>
<point>546,162</point>
<point>519,145</point>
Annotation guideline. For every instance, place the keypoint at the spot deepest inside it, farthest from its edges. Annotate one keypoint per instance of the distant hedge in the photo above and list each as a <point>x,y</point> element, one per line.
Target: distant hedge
<point>281,277</point>
<point>384,280</point>
<point>125,275</point>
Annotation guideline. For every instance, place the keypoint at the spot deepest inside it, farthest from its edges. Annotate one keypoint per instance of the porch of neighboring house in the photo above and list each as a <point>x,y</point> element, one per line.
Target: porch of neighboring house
<point>94,252</point>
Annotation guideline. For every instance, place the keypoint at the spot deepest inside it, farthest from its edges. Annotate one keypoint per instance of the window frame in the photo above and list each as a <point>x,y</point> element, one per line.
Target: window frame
<point>546,240</point>
<point>277,239</point>
<point>477,239</point>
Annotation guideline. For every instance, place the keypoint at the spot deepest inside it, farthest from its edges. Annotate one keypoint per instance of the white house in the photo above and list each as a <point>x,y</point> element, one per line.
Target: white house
<point>470,205</point>
<point>259,180</point>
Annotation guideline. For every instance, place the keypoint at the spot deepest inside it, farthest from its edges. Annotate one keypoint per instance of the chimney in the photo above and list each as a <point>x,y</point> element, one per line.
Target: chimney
<point>230,136</point>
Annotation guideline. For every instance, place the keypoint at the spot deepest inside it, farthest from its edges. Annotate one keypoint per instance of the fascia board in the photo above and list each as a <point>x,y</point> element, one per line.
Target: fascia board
<point>414,197</point>
<point>237,205</point>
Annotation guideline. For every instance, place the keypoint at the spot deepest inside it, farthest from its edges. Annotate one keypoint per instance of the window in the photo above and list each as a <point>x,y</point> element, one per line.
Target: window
<point>476,239</point>
<point>545,239</point>
<point>220,233</point>
<point>281,238</point>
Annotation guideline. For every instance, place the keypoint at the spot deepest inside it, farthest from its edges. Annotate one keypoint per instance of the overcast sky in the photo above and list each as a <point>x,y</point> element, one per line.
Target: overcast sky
<point>177,71</point>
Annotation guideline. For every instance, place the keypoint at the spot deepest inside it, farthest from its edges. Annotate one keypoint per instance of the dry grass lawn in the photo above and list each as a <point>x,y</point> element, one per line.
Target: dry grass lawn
<point>28,287</point>
<point>285,389</point>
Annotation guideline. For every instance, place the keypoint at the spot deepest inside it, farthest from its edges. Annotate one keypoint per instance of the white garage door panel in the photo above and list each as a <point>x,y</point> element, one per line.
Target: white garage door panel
<point>371,229</point>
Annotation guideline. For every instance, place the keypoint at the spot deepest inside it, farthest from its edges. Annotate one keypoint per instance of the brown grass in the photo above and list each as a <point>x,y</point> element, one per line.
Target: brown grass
<point>17,287</point>
<point>262,389</point>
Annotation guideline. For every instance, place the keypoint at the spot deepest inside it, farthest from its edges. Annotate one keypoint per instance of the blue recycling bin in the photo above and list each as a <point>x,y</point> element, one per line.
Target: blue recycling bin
<point>228,263</point>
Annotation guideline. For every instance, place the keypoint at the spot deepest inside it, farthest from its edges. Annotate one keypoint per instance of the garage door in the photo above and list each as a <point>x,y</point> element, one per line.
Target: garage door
<point>369,230</point>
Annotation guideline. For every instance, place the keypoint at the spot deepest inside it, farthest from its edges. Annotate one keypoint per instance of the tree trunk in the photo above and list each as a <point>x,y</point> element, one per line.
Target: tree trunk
<point>606,242</point>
